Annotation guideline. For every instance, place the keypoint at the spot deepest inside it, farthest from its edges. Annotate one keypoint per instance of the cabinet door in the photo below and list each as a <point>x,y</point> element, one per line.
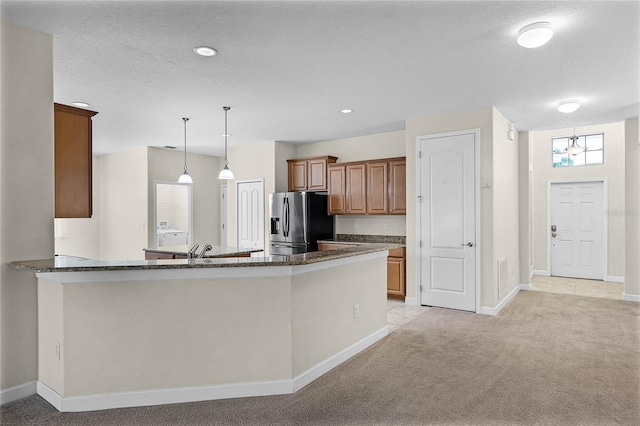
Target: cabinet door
<point>73,197</point>
<point>395,277</point>
<point>356,189</point>
<point>397,187</point>
<point>332,246</point>
<point>298,175</point>
<point>377,187</point>
<point>317,174</point>
<point>337,190</point>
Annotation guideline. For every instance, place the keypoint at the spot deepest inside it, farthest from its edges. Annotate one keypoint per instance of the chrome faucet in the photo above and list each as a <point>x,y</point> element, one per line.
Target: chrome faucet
<point>192,251</point>
<point>205,249</point>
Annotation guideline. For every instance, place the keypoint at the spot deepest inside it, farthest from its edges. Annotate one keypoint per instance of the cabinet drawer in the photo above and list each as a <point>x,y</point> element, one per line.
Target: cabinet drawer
<point>397,252</point>
<point>332,246</point>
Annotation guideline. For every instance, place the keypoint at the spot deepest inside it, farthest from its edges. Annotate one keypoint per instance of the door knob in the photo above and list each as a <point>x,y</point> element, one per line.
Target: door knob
<point>469,244</point>
<point>553,228</point>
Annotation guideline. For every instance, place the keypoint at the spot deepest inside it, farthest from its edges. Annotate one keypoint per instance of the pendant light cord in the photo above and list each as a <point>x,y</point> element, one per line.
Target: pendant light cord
<point>226,108</point>
<point>185,143</point>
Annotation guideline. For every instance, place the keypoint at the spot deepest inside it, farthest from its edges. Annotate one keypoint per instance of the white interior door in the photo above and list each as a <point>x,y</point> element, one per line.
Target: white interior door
<point>447,252</point>
<point>576,229</point>
<point>251,214</point>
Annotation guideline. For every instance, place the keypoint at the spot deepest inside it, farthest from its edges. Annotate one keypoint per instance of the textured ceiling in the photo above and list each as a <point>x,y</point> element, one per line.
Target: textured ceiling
<point>287,68</point>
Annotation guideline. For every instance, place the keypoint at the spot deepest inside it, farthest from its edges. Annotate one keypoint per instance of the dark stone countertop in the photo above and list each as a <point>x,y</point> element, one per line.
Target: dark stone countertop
<point>77,264</point>
<point>363,239</point>
<point>216,251</point>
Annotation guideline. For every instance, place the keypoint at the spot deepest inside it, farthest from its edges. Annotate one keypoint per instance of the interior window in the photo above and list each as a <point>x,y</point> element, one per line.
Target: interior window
<point>593,155</point>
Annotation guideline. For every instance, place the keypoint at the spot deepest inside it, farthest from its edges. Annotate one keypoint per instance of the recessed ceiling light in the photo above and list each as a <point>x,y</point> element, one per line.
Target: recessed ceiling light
<point>569,106</point>
<point>205,51</point>
<point>346,111</point>
<point>81,104</point>
<point>535,35</point>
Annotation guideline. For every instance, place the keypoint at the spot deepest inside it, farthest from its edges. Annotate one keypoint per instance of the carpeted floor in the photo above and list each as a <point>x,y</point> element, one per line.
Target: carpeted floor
<point>546,359</point>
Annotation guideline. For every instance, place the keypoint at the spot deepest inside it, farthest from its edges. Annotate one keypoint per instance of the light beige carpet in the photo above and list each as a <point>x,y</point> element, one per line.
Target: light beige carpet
<point>547,359</point>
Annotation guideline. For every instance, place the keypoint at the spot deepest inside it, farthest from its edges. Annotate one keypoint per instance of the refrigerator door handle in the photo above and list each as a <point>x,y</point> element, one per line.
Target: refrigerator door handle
<point>285,215</point>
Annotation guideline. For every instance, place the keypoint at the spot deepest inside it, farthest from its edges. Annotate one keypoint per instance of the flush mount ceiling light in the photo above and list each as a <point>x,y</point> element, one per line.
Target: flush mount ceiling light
<point>205,51</point>
<point>225,173</point>
<point>568,106</point>
<point>346,111</point>
<point>535,35</point>
<point>81,104</point>
<point>184,177</point>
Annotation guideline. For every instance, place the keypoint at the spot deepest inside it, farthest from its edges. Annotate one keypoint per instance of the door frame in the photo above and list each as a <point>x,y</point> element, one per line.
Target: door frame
<point>476,180</point>
<point>605,220</point>
<point>223,214</point>
<point>264,209</point>
<point>156,182</point>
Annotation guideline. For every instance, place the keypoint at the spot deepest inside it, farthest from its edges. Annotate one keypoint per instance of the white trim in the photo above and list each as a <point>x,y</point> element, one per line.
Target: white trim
<point>411,301</point>
<point>485,310</point>
<point>207,272</point>
<point>605,219</point>
<point>525,287</point>
<point>204,393</point>
<point>631,297</point>
<point>614,279</point>
<point>532,273</point>
<point>328,364</point>
<point>477,196</point>
<point>540,273</point>
<point>17,392</point>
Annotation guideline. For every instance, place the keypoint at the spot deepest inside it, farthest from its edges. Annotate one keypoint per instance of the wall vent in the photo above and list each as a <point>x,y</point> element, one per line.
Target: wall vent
<point>503,276</point>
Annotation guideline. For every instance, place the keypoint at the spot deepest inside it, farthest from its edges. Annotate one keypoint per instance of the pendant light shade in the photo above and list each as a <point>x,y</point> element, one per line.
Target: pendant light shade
<point>184,177</point>
<point>575,148</point>
<point>225,173</point>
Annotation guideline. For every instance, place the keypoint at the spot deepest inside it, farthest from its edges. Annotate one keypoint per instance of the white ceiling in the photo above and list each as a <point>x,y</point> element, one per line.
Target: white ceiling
<point>287,68</point>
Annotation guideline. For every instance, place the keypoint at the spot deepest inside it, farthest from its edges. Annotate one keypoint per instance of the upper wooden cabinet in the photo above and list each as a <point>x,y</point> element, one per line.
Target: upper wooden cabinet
<point>368,187</point>
<point>309,174</point>
<point>73,150</point>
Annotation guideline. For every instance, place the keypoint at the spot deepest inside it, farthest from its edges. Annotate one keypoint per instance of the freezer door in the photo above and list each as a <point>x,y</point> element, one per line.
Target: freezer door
<point>287,248</point>
<point>296,225</point>
<point>277,217</point>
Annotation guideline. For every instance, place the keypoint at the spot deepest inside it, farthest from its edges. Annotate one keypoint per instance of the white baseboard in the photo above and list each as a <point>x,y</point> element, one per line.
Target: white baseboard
<point>318,370</point>
<point>541,273</point>
<point>203,393</point>
<point>485,310</point>
<point>17,392</point>
<point>631,297</point>
<point>525,286</point>
<point>411,301</point>
<point>532,274</point>
<point>614,279</point>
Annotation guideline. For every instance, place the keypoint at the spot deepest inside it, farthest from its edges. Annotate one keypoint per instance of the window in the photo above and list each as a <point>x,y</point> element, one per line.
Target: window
<point>593,156</point>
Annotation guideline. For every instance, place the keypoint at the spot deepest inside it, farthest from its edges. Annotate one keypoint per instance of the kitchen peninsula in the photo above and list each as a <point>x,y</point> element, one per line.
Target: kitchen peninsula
<point>135,333</point>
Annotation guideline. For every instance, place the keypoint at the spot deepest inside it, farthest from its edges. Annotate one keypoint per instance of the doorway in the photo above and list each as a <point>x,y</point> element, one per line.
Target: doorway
<point>173,214</point>
<point>250,219</point>
<point>448,223</point>
<point>576,231</point>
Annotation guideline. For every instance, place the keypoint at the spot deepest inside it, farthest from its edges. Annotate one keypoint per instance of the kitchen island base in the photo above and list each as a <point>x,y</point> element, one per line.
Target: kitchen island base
<point>110,339</point>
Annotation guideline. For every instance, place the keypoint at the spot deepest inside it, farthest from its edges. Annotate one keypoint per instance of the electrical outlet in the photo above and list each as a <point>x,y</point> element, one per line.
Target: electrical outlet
<point>356,311</point>
<point>58,350</point>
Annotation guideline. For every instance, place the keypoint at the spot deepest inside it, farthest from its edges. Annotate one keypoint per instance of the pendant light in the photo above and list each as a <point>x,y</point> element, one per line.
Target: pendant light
<point>184,177</point>
<point>575,148</point>
<point>225,173</point>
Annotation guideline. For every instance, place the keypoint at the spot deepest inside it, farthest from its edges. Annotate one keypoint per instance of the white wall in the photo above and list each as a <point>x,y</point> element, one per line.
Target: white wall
<point>26,201</point>
<point>123,205</point>
<point>526,207</point>
<point>613,169</point>
<point>167,165</point>
<point>632,209</point>
<point>284,152</point>
<point>81,236</point>
<point>371,147</point>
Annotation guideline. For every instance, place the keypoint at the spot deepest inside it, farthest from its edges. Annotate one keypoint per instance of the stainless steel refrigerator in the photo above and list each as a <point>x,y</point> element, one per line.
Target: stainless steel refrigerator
<point>298,220</point>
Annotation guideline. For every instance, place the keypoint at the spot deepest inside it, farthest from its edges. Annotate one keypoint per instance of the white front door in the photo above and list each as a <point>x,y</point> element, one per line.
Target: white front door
<point>447,217</point>
<point>576,230</point>
<point>251,214</point>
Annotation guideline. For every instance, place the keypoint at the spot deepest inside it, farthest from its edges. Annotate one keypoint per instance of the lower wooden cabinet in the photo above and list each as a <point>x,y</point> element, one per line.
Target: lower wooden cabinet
<point>396,268</point>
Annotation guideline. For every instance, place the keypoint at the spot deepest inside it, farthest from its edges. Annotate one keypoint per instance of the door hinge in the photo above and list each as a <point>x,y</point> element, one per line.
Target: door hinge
<point>420,244</point>
<point>419,198</point>
<point>419,154</point>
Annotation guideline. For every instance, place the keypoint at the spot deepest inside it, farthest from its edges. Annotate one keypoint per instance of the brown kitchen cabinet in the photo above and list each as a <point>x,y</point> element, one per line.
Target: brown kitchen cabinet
<point>309,174</point>
<point>396,268</point>
<point>368,187</point>
<point>72,161</point>
<point>398,186</point>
